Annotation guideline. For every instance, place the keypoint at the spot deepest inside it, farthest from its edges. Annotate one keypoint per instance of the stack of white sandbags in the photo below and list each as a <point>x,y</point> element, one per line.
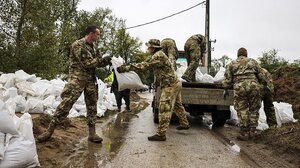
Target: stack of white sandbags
<point>283,112</point>
<point>17,144</point>
<point>28,93</point>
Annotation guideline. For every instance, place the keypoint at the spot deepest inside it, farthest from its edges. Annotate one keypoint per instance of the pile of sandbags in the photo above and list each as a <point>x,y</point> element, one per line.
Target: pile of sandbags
<point>28,93</point>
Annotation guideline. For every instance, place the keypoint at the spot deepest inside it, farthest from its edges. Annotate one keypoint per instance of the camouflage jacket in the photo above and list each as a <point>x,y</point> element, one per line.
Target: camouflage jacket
<point>269,79</point>
<point>243,68</point>
<point>197,39</point>
<point>162,67</point>
<point>84,58</point>
<point>169,48</point>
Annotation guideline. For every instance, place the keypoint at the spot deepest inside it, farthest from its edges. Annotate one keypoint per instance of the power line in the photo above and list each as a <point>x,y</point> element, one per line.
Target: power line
<point>166,16</point>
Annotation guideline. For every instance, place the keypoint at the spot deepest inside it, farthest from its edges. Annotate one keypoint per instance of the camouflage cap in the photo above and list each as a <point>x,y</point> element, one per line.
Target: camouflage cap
<point>155,43</point>
<point>242,52</point>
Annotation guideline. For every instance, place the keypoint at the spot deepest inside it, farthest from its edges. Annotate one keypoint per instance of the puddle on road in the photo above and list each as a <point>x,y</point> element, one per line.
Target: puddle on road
<point>91,155</point>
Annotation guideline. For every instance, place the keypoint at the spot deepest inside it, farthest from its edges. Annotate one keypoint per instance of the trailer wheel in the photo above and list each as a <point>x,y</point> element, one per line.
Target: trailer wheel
<point>219,117</point>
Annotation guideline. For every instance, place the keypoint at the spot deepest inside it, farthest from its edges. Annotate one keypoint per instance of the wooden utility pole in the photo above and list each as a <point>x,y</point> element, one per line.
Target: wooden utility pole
<point>207,38</point>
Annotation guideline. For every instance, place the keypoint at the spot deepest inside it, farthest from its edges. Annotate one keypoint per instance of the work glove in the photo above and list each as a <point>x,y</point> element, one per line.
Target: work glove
<point>121,69</point>
<point>225,94</point>
<point>107,59</point>
<point>104,61</point>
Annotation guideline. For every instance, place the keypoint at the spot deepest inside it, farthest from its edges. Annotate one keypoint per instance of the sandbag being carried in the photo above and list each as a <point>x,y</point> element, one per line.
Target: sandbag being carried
<point>127,80</point>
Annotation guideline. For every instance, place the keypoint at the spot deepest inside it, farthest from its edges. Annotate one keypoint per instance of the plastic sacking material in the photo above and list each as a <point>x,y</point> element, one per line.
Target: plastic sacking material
<point>21,151</point>
<point>284,113</point>
<point>127,80</point>
<point>219,77</point>
<point>7,124</point>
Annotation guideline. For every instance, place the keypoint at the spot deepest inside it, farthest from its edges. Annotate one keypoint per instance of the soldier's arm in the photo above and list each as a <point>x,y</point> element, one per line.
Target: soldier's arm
<point>85,57</point>
<point>149,63</point>
<point>228,81</point>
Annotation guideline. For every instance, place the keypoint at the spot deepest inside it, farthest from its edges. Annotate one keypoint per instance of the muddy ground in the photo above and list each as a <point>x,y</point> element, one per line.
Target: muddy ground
<point>282,142</point>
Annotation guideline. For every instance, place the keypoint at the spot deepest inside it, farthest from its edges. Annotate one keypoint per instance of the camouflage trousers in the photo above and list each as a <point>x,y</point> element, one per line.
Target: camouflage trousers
<point>170,100</point>
<point>268,98</point>
<point>193,52</point>
<point>71,93</point>
<point>247,102</point>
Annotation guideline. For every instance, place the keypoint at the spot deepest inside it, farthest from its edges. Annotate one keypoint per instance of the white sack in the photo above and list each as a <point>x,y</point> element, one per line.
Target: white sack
<point>206,78</point>
<point>7,124</point>
<point>34,105</point>
<point>8,80</point>
<point>10,93</point>
<point>127,80</point>
<point>25,89</point>
<point>199,75</point>
<point>2,144</point>
<point>219,77</point>
<point>21,151</point>
<point>284,113</point>
<point>23,76</point>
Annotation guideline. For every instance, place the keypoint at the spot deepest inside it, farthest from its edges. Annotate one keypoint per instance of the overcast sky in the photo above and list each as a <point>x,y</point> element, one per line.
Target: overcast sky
<point>258,25</point>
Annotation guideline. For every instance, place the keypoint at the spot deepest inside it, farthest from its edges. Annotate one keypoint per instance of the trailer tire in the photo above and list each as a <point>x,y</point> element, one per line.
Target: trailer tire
<point>219,117</point>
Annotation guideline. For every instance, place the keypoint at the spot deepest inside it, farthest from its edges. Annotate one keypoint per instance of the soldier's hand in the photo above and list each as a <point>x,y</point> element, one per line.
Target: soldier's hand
<point>121,69</point>
<point>107,59</point>
<point>225,94</point>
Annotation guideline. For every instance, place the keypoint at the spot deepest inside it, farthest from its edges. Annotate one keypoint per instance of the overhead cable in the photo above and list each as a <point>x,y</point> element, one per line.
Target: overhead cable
<point>166,16</point>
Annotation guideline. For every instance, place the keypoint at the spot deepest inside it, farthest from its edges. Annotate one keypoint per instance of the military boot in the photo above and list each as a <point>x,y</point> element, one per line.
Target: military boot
<point>244,135</point>
<point>47,135</point>
<point>183,127</point>
<point>253,133</point>
<point>157,138</point>
<point>93,137</point>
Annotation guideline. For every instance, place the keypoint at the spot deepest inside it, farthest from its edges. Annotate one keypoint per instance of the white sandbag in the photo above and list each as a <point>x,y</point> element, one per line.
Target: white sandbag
<point>34,105</point>
<point>2,144</point>
<point>20,103</point>
<point>21,151</point>
<point>7,124</point>
<point>42,88</point>
<point>48,102</point>
<point>24,89</point>
<point>284,113</point>
<point>101,90</point>
<point>8,80</point>
<point>23,76</point>
<point>234,120</point>
<point>219,77</point>
<point>181,67</point>
<point>206,78</point>
<point>127,80</point>
<point>4,141</point>
<point>58,86</point>
<point>199,75</point>
<point>10,93</point>
<point>262,119</point>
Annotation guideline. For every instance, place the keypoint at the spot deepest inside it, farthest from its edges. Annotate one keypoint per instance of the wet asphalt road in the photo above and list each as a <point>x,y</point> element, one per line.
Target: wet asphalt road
<point>196,147</point>
<point>125,145</point>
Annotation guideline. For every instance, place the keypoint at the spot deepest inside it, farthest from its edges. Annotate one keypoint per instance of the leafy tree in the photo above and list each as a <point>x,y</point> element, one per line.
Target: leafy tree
<point>31,32</point>
<point>271,61</point>
<point>216,64</point>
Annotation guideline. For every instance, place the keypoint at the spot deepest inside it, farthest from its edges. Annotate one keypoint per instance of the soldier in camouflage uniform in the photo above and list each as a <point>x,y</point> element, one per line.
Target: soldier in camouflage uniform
<point>268,98</point>
<point>244,75</point>
<point>170,98</point>
<point>170,49</point>
<point>84,59</point>
<point>195,48</point>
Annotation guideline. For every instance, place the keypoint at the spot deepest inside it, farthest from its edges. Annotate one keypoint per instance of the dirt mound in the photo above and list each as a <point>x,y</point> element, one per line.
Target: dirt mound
<point>284,141</point>
<point>287,87</point>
